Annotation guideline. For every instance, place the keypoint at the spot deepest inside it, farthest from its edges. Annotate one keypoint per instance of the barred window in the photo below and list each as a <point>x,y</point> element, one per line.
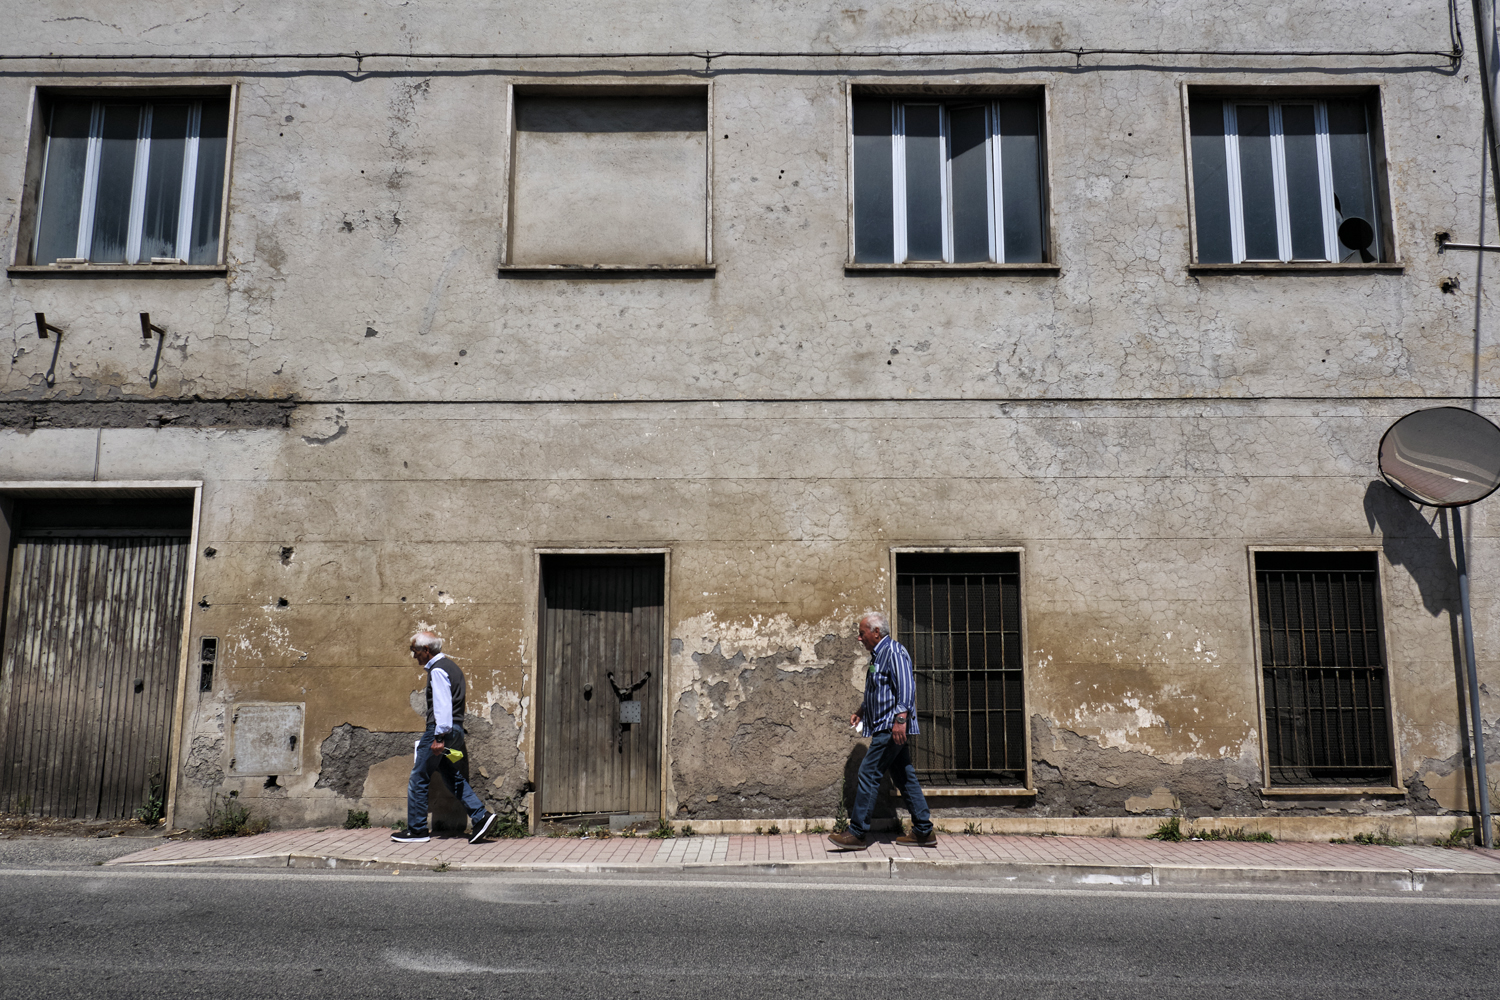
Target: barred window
<point>1322,657</point>
<point>960,616</point>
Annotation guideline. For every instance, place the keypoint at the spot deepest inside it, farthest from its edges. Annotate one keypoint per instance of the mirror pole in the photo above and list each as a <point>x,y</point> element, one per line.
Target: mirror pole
<point>1486,836</point>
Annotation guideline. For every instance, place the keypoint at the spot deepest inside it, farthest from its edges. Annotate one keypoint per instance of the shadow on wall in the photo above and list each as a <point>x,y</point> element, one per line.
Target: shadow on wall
<point>1424,549</point>
<point>1420,547</point>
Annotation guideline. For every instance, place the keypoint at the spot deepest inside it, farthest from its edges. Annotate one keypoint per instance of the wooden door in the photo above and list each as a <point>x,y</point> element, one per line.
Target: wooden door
<point>88,679</point>
<point>600,615</point>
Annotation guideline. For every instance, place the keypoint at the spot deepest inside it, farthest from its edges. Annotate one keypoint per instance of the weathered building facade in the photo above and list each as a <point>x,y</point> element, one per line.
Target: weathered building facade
<point>646,346</point>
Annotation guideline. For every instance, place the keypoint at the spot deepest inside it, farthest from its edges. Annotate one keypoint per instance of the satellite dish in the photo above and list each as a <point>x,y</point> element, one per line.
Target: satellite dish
<point>1442,457</point>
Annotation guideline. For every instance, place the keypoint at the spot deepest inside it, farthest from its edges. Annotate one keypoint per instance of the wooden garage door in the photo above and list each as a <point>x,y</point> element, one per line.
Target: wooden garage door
<point>92,630</point>
<point>600,615</point>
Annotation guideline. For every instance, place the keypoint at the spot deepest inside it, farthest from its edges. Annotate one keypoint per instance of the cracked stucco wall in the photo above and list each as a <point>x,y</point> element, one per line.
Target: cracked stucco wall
<point>1132,426</point>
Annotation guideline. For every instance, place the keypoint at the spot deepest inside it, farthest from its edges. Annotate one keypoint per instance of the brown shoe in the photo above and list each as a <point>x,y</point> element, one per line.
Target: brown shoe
<point>848,841</point>
<point>928,839</point>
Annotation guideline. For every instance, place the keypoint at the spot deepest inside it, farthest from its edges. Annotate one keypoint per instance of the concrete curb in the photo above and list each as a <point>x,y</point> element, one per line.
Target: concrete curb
<point>1017,873</point>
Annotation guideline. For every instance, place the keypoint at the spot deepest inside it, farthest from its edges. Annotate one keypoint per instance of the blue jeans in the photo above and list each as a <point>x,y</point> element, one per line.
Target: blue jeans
<point>421,775</point>
<point>886,755</point>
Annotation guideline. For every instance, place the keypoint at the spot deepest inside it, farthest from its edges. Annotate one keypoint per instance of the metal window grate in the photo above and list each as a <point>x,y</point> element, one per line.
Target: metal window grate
<point>1327,715</point>
<point>960,616</point>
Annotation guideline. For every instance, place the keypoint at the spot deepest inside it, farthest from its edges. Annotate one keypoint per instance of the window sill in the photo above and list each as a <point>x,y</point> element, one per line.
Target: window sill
<point>573,270</point>
<point>923,267</point>
<point>1326,790</point>
<point>138,270</point>
<point>1276,267</point>
<point>943,793</point>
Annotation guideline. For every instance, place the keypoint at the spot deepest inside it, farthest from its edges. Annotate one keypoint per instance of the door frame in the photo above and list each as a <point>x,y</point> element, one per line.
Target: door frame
<point>531,663</point>
<point>13,490</point>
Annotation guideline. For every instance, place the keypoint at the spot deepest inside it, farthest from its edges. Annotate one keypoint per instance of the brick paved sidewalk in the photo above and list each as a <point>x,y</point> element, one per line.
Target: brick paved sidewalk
<point>1132,861</point>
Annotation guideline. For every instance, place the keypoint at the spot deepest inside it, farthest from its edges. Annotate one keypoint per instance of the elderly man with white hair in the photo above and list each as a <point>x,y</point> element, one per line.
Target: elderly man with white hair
<point>447,692</point>
<point>888,715</point>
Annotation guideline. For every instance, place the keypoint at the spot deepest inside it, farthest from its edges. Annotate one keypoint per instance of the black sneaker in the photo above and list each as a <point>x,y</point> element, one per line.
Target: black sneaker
<point>410,837</point>
<point>482,828</point>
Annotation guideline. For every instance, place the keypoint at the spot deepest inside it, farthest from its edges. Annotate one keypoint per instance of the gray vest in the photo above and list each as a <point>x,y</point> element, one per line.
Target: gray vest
<point>457,685</point>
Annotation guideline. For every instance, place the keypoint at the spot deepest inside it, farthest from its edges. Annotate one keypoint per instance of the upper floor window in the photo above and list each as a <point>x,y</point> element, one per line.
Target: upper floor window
<point>131,181</point>
<point>1288,180</point>
<point>953,180</point>
<point>613,178</point>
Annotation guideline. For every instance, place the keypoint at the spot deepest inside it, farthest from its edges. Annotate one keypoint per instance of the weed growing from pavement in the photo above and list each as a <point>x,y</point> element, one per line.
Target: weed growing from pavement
<point>399,826</point>
<point>820,828</point>
<point>687,831</point>
<point>441,866</point>
<point>971,829</point>
<point>1462,837</point>
<point>154,808</point>
<point>841,818</point>
<point>1235,833</point>
<point>357,820</point>
<point>1380,838</point>
<point>773,830</point>
<point>511,821</point>
<point>1170,831</point>
<point>663,831</point>
<point>228,817</point>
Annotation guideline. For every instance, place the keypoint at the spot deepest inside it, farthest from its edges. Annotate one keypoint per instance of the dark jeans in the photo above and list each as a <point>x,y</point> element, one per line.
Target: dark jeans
<point>886,755</point>
<point>421,775</point>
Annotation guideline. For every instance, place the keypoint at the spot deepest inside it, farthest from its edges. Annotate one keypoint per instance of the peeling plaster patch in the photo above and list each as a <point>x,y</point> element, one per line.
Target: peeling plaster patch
<point>341,427</point>
<point>1160,798</point>
<point>1075,776</point>
<point>205,761</point>
<point>733,647</point>
<point>350,751</point>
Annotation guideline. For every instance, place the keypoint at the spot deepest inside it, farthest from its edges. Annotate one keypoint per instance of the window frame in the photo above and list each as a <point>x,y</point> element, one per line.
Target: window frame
<point>914,93</point>
<point>976,791</point>
<point>1268,787</point>
<point>1387,229</point>
<point>670,88</point>
<point>43,98</point>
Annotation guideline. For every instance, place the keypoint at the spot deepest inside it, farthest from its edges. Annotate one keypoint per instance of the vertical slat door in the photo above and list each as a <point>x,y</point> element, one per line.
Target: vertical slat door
<point>600,616</point>
<point>89,678</point>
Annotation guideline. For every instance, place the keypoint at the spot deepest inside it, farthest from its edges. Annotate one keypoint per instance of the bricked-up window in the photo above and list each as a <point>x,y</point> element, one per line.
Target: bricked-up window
<point>614,180</point>
<point>1327,714</point>
<point>132,181</point>
<point>960,616</point>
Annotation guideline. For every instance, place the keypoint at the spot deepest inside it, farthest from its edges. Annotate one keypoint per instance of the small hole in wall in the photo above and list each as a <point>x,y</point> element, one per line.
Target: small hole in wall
<point>286,555</point>
<point>210,552</point>
<point>281,602</point>
<point>140,686</point>
<point>271,782</point>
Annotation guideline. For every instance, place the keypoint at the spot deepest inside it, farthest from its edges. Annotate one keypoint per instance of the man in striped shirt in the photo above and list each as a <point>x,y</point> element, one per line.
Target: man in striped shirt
<point>888,714</point>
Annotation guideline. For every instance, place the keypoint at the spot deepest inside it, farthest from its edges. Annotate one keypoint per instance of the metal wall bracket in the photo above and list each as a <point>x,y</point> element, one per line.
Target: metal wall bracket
<point>42,329</point>
<point>147,329</point>
<point>1444,243</point>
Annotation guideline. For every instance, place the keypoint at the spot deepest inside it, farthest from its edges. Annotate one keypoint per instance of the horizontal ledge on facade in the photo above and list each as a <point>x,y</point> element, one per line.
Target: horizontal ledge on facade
<point>976,792</point>
<point>1274,267</point>
<point>1321,790</point>
<point>572,270</point>
<point>115,270</point>
<point>934,267</point>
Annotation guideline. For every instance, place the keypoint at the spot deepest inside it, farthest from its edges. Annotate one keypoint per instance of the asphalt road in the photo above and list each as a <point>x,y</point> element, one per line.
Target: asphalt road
<point>95,932</point>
